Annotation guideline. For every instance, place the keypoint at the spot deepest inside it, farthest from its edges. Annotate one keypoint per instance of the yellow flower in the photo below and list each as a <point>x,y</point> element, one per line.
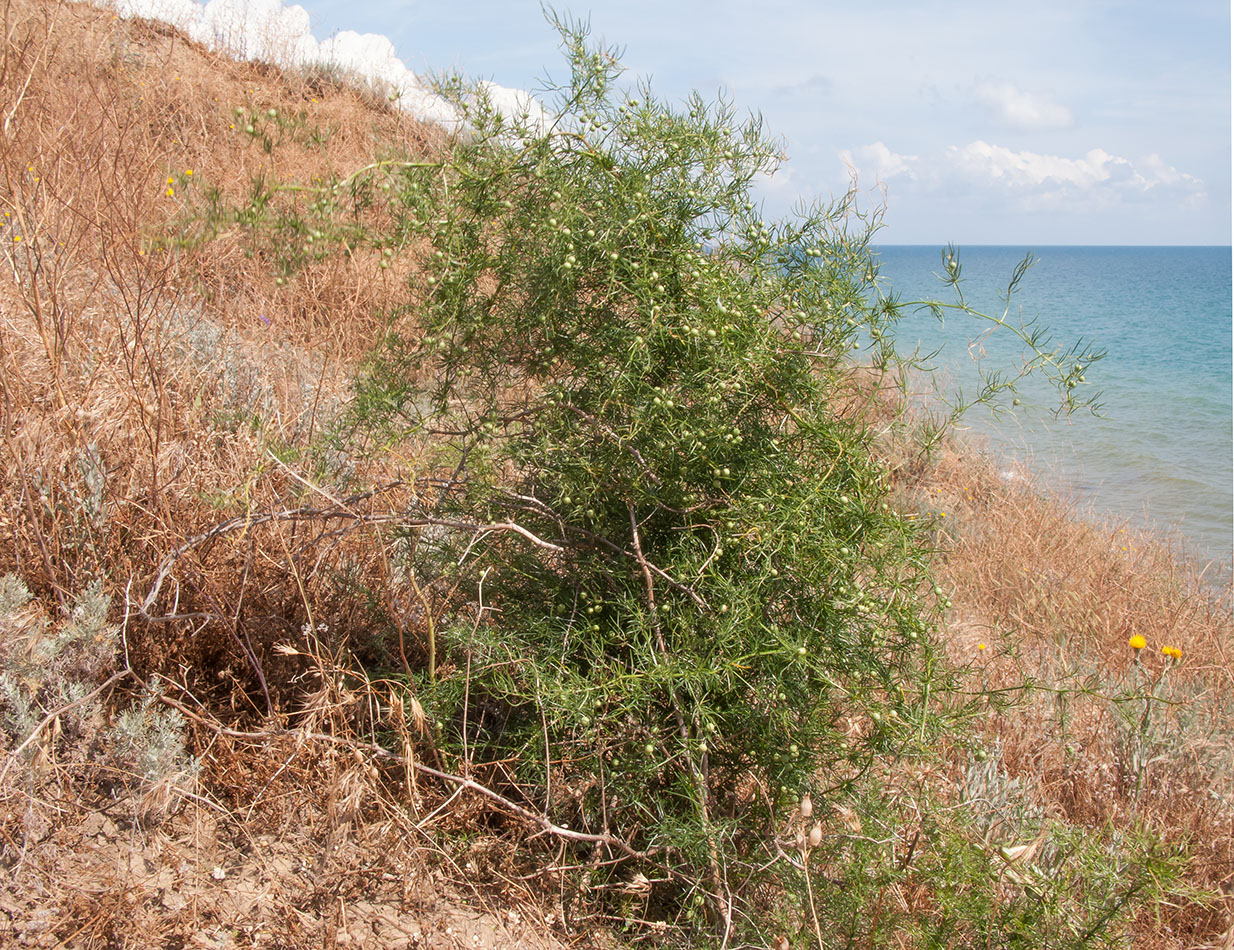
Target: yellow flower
<point>171,192</point>
<point>1173,653</point>
<point>188,173</point>
<point>170,180</point>
<point>1137,643</point>
<point>981,646</point>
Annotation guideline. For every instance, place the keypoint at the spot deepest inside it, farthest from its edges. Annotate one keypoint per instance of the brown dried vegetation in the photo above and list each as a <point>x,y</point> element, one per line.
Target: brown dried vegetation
<point>1045,595</point>
<point>144,389</point>
<point>149,393</point>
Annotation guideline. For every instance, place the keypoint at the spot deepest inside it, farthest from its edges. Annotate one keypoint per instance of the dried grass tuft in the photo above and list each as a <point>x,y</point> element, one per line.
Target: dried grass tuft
<point>1047,598</point>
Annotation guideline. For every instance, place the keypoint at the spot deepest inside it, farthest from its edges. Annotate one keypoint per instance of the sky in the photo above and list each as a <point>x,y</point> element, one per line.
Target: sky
<point>975,121</point>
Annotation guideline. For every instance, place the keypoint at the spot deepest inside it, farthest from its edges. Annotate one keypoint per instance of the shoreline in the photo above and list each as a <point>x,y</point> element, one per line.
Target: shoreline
<point>1091,498</point>
<point>1060,485</point>
<point>1159,454</point>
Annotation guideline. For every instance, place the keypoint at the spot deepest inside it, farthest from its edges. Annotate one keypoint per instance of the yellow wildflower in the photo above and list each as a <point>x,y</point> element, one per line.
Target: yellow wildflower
<point>171,192</point>
<point>1137,643</point>
<point>981,646</point>
<point>170,180</point>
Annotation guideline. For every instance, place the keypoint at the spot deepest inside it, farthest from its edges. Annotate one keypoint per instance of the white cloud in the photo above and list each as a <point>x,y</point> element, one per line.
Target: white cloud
<point>1166,174</point>
<point>181,14</point>
<point>372,57</point>
<point>1012,106</point>
<point>1029,169</point>
<point>268,31</point>
<point>878,161</point>
<point>247,29</point>
<point>257,29</point>
<point>781,185</point>
<point>1097,169</point>
<point>517,104</point>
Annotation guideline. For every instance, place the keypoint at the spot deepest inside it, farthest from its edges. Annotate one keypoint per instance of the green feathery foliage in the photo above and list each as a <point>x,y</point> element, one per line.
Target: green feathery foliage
<point>700,626</point>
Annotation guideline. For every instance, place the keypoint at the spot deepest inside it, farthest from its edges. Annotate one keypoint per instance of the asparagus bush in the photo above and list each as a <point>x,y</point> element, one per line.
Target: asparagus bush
<point>701,641</point>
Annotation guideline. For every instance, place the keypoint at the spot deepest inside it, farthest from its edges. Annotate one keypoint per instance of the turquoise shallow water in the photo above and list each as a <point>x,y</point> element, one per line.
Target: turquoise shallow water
<point>1161,454</point>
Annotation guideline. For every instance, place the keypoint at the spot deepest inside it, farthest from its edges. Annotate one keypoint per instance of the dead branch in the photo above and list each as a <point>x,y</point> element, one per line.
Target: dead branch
<point>343,511</point>
<point>377,751</point>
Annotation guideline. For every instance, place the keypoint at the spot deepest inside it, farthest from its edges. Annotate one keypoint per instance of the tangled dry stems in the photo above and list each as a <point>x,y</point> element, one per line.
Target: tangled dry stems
<point>145,388</point>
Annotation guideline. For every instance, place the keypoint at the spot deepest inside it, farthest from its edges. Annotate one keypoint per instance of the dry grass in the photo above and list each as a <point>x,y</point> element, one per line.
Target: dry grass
<point>149,392</point>
<point>145,388</point>
<point>1046,597</point>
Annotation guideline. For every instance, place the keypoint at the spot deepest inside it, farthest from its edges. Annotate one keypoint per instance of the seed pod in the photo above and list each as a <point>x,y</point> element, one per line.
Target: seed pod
<point>816,835</point>
<point>806,808</point>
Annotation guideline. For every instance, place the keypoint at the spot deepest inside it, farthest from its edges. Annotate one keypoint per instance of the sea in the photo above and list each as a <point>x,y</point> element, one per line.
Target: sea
<point>1160,454</point>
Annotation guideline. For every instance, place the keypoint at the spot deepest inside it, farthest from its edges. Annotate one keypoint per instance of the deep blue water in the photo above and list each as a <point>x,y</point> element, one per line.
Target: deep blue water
<point>1160,455</point>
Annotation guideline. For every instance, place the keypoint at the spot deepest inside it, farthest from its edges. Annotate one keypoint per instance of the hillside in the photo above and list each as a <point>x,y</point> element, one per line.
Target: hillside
<point>237,678</point>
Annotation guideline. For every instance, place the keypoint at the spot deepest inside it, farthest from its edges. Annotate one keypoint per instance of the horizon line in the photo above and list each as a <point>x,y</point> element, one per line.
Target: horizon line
<point>1039,244</point>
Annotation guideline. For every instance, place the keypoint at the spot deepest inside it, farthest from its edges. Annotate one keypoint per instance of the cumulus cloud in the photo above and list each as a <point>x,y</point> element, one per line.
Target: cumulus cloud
<point>268,31</point>
<point>257,29</point>
<point>179,13</point>
<point>1012,106</point>
<point>878,161</point>
<point>517,104</point>
<point>248,29</point>
<point>1097,168</point>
